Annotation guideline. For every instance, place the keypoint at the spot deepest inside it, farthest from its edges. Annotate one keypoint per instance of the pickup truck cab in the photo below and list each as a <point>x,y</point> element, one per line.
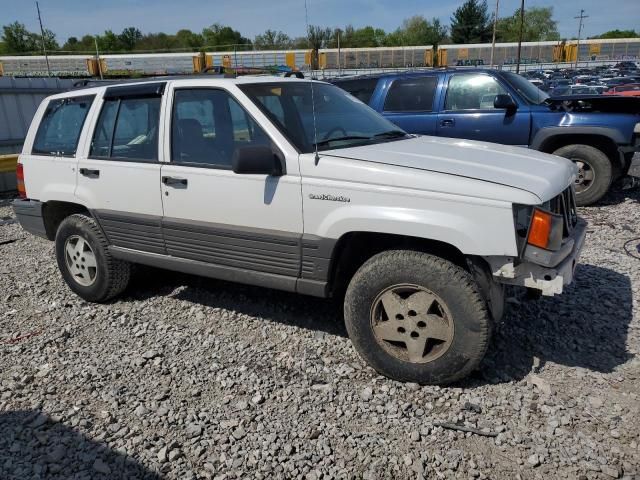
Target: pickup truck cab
<point>599,134</point>
<point>296,185</point>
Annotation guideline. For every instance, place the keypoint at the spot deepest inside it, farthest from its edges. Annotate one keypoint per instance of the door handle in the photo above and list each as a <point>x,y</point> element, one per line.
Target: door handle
<point>175,182</point>
<point>447,122</point>
<point>88,172</point>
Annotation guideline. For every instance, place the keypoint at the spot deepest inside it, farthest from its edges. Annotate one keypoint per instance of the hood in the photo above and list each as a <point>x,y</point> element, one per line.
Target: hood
<point>539,173</point>
<point>595,103</point>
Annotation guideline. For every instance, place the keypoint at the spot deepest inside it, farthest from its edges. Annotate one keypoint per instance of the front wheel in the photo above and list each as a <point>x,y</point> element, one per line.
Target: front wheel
<point>595,172</point>
<point>416,317</point>
<point>85,261</point>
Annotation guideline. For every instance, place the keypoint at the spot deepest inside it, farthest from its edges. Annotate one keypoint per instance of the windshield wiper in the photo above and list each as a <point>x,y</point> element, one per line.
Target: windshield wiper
<point>391,134</point>
<point>324,143</point>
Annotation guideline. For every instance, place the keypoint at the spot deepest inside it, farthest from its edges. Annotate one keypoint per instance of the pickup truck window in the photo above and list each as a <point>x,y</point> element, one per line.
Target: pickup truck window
<point>61,124</point>
<point>411,95</point>
<point>361,88</point>
<point>470,91</point>
<point>341,121</point>
<point>127,129</point>
<point>208,125</point>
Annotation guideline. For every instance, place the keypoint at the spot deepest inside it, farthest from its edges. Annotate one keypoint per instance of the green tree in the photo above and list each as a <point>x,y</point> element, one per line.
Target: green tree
<point>109,42</point>
<point>539,25</point>
<point>185,38</point>
<point>351,37</point>
<point>417,30</point>
<point>223,36</point>
<point>129,37</point>
<point>17,39</point>
<point>471,23</point>
<point>618,34</point>
<point>272,40</point>
<point>317,37</point>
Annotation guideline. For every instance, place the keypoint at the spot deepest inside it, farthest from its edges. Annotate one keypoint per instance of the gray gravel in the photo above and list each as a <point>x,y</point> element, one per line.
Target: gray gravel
<point>191,378</point>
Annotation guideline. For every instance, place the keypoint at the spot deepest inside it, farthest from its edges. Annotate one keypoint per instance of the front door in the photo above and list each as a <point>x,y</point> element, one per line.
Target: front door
<point>468,112</point>
<point>247,227</point>
<point>119,171</point>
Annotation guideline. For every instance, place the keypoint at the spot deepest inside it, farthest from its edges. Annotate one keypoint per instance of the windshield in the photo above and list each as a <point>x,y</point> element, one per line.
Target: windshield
<point>341,120</point>
<point>525,88</point>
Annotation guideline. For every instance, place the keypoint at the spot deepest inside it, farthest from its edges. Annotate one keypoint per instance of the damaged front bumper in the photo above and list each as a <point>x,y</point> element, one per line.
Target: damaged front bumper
<point>540,270</point>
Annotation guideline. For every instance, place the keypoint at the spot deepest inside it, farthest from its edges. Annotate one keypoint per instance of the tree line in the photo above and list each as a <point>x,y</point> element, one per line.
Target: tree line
<point>470,23</point>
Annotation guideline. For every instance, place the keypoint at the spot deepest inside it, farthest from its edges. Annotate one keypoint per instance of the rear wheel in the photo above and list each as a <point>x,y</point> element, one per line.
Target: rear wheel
<point>85,262</point>
<point>416,317</point>
<point>595,172</point>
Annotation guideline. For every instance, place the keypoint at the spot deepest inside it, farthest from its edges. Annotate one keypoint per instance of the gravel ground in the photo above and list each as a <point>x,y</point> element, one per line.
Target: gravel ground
<point>185,378</point>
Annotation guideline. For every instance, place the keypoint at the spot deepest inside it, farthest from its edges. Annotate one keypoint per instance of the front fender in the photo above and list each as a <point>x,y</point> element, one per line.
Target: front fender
<point>547,133</point>
<point>474,230</point>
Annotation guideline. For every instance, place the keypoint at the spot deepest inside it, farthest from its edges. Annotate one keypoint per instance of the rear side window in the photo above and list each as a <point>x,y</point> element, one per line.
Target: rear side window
<point>60,128</point>
<point>411,95</point>
<point>127,129</point>
<point>362,88</point>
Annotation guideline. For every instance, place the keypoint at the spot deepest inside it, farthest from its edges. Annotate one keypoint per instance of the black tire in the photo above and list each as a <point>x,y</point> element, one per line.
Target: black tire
<point>111,275</point>
<point>598,163</point>
<point>454,286</point>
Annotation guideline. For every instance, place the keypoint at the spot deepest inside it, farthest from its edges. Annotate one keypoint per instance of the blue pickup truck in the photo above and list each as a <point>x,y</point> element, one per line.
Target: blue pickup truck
<point>599,133</point>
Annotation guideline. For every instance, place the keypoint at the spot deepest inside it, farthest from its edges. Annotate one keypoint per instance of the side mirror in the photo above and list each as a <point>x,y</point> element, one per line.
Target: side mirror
<point>257,160</point>
<point>504,101</point>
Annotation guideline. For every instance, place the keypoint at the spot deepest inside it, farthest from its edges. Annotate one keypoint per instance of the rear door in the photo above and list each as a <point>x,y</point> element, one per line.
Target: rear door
<point>468,111</point>
<point>50,158</point>
<point>246,227</point>
<point>409,103</point>
<point>119,169</point>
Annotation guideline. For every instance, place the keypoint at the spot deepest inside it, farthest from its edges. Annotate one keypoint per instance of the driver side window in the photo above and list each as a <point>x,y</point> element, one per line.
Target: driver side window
<point>470,91</point>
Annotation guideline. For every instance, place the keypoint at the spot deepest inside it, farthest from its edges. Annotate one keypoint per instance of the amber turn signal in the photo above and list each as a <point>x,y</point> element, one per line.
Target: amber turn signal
<point>540,229</point>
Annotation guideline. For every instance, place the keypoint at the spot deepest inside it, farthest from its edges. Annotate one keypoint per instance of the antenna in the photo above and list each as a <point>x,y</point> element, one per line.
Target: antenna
<point>44,45</point>
<point>581,17</point>
<point>313,102</point>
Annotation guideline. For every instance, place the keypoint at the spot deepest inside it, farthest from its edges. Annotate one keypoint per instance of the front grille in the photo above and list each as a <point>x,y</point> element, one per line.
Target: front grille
<point>565,205</point>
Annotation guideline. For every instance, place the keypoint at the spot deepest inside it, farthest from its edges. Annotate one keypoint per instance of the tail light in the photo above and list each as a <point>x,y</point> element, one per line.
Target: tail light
<point>22,192</point>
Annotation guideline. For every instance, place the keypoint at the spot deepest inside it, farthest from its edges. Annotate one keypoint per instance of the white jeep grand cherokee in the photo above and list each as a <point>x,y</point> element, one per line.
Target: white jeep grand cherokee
<point>299,186</point>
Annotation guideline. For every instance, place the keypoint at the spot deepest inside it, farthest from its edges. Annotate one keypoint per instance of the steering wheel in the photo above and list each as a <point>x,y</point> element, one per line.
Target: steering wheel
<point>333,130</point>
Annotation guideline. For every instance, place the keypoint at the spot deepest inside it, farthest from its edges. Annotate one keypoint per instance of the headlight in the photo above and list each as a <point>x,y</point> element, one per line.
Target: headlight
<point>636,129</point>
<point>545,230</point>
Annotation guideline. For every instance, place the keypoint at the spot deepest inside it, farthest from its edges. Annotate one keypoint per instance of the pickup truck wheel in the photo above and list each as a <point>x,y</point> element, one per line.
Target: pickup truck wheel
<point>85,262</point>
<point>595,172</point>
<point>416,317</point>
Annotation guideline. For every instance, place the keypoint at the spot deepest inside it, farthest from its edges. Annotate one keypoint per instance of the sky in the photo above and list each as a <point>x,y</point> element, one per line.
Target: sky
<point>251,17</point>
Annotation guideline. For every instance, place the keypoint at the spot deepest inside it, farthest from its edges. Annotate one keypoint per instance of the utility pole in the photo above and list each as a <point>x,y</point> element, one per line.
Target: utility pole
<point>338,32</point>
<point>520,36</point>
<point>495,23</point>
<point>95,39</point>
<point>581,17</point>
<point>44,45</point>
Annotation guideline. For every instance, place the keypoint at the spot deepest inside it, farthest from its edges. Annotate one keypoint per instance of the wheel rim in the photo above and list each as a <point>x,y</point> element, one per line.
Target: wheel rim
<point>412,323</point>
<point>586,175</point>
<point>80,260</point>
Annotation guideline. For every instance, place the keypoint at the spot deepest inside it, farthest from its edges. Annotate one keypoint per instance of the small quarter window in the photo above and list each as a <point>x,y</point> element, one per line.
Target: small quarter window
<point>61,125</point>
